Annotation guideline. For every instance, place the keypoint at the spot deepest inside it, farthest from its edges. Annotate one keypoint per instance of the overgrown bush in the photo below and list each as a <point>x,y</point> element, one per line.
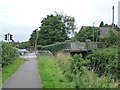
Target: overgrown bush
<point>104,61</point>
<point>8,54</point>
<point>110,40</point>
<point>62,59</point>
<point>76,71</point>
<point>54,48</point>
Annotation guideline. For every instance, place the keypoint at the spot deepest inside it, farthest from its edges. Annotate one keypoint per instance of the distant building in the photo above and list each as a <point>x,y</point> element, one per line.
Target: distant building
<point>104,31</point>
<point>85,27</point>
<point>119,14</point>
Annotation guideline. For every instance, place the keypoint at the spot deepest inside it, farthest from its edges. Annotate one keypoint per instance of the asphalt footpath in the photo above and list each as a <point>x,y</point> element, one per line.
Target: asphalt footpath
<point>26,76</point>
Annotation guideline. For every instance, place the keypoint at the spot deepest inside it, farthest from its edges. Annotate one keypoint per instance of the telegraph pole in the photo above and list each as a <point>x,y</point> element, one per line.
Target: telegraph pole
<point>36,41</point>
<point>93,31</point>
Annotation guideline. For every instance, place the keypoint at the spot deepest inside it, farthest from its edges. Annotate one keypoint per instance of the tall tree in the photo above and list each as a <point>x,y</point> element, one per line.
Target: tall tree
<point>101,24</point>
<point>33,38</point>
<point>54,28</point>
<point>69,23</point>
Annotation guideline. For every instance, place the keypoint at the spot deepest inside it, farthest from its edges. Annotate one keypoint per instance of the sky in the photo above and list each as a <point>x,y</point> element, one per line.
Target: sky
<point>21,17</point>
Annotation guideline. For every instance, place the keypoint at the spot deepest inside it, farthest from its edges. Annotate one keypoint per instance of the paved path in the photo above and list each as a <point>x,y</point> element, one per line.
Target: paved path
<point>26,76</point>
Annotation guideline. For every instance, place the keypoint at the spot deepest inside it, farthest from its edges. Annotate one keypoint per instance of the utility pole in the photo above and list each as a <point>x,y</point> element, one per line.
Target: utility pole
<point>93,31</point>
<point>8,37</point>
<point>36,41</point>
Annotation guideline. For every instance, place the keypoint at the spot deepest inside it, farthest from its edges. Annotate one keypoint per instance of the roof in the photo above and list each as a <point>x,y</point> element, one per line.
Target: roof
<point>104,31</point>
<point>84,27</point>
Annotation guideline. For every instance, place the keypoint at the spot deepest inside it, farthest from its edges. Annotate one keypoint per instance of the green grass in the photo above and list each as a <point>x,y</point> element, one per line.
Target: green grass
<point>8,70</point>
<point>51,75</point>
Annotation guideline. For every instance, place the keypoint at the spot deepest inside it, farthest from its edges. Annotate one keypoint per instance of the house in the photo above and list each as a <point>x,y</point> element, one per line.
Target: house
<point>103,31</point>
<point>85,27</point>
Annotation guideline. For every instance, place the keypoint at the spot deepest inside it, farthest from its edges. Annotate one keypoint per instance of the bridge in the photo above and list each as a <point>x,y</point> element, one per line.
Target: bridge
<point>80,47</point>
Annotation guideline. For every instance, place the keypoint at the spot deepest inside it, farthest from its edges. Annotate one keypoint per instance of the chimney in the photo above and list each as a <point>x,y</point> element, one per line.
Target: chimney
<point>113,18</point>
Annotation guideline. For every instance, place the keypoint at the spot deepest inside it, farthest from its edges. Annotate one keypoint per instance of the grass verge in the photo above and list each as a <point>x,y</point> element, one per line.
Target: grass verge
<point>7,71</point>
<point>51,75</point>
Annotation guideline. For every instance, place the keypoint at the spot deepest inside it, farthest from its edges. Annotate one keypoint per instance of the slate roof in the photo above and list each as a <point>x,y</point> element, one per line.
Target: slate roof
<point>104,31</point>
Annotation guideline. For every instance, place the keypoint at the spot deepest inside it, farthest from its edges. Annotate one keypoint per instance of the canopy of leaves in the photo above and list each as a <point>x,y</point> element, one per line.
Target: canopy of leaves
<point>101,24</point>
<point>21,45</point>
<point>69,23</point>
<point>8,54</point>
<point>54,28</point>
<point>88,33</point>
<point>33,38</point>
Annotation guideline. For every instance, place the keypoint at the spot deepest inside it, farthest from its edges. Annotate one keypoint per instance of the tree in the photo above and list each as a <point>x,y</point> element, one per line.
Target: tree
<point>54,28</point>
<point>21,45</point>
<point>106,25</point>
<point>69,23</point>
<point>87,34</point>
<point>24,45</point>
<point>33,38</point>
<point>101,24</point>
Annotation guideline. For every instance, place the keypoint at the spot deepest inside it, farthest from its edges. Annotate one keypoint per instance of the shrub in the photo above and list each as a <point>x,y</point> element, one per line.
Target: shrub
<point>104,61</point>
<point>76,66</point>
<point>89,79</point>
<point>62,59</point>
<point>83,78</point>
<point>8,53</point>
<point>110,40</point>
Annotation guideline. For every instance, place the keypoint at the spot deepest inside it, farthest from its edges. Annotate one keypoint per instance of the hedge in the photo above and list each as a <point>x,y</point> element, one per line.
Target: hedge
<point>58,46</point>
<point>8,53</point>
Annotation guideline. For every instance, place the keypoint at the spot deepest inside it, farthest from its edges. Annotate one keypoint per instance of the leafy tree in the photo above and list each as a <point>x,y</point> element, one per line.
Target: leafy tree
<point>106,25</point>
<point>87,34</point>
<point>21,45</point>
<point>24,45</point>
<point>33,38</point>
<point>54,28</point>
<point>68,21</point>
<point>101,24</point>
<point>8,53</point>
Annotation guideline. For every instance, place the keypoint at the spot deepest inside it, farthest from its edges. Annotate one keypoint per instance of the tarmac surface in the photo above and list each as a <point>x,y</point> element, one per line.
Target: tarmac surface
<point>26,76</point>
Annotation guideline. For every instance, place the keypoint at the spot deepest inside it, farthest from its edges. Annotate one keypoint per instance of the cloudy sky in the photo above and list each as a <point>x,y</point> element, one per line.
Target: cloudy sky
<point>21,17</point>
